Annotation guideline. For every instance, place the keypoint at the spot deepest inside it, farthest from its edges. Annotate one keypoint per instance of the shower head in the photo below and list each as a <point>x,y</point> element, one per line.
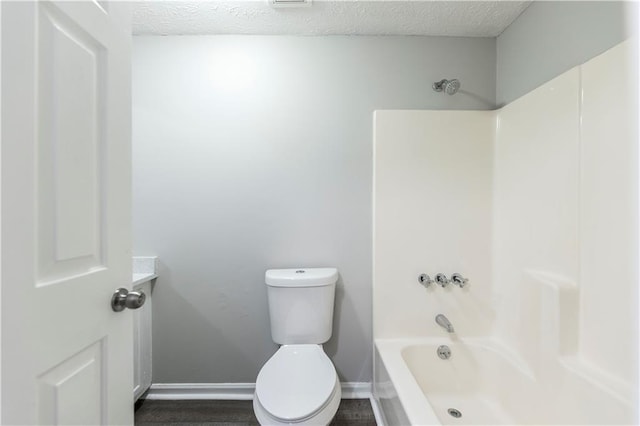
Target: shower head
<point>450,87</point>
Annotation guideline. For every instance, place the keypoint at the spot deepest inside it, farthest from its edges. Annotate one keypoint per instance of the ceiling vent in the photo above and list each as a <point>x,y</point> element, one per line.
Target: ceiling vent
<point>289,3</point>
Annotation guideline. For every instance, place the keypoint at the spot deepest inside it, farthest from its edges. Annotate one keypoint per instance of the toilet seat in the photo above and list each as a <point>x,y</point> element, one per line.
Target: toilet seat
<point>296,382</point>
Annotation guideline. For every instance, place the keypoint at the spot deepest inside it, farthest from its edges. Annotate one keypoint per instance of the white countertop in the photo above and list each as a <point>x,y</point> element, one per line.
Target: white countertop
<point>142,278</point>
<point>145,268</point>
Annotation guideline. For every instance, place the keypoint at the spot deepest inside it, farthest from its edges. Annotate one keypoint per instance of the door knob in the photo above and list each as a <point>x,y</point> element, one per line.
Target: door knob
<point>124,298</point>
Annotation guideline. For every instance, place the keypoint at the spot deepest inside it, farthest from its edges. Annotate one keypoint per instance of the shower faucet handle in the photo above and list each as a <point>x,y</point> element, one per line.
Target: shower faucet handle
<point>459,280</point>
<point>425,280</point>
<point>442,280</point>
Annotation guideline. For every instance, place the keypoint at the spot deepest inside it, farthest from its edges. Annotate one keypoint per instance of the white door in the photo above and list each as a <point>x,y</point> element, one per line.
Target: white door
<point>66,226</point>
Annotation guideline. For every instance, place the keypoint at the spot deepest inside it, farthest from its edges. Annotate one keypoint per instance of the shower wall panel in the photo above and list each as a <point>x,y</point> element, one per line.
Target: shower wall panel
<point>432,208</point>
<point>609,212</point>
<point>536,207</point>
<point>566,223</point>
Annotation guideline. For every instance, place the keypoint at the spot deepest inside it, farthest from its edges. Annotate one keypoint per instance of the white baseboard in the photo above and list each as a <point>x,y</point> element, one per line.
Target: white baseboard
<point>235,391</point>
<point>178,391</point>
<point>356,390</point>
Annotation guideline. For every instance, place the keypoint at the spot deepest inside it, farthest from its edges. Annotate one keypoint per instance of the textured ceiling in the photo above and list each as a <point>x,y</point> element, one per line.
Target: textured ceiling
<point>433,18</point>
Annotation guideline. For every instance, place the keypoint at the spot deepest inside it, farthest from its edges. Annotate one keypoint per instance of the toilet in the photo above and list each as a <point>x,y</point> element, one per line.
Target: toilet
<point>299,384</point>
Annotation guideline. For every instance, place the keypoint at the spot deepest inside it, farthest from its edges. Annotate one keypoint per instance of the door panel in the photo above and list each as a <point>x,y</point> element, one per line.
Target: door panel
<point>66,213</point>
<point>71,145</point>
<point>72,392</point>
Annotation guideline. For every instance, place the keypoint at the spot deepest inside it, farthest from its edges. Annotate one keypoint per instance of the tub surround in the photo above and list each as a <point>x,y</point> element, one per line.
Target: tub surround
<point>552,292</point>
<point>565,215</point>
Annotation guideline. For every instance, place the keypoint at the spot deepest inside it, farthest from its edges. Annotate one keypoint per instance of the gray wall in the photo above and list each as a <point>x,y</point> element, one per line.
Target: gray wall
<point>253,153</point>
<point>551,37</point>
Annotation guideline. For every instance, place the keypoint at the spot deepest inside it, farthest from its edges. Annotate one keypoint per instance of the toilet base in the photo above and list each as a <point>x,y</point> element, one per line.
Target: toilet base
<point>321,418</point>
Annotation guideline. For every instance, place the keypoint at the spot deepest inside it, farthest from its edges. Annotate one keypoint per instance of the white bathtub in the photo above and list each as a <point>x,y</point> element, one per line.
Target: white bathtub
<point>488,384</point>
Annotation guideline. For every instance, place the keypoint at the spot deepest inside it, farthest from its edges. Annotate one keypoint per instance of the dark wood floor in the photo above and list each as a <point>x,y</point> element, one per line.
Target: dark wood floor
<point>352,412</point>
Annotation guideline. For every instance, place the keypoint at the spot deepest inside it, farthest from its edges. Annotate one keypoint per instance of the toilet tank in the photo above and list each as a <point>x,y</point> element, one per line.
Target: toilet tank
<point>301,304</point>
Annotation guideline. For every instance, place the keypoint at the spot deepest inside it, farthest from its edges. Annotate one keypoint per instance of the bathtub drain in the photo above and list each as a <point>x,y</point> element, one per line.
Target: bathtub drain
<point>444,352</point>
<point>454,413</point>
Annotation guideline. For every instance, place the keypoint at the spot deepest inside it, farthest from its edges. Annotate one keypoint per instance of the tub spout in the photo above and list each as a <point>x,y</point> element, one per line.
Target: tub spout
<point>444,322</point>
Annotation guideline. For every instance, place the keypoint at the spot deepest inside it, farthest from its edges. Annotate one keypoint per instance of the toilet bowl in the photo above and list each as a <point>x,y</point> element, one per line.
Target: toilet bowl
<point>298,385</point>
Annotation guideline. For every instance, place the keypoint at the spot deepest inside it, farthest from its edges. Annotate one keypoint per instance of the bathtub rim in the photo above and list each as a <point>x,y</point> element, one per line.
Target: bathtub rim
<point>415,403</point>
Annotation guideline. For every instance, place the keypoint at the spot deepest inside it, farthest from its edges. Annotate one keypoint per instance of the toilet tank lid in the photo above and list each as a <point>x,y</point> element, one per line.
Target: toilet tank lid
<point>301,277</point>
